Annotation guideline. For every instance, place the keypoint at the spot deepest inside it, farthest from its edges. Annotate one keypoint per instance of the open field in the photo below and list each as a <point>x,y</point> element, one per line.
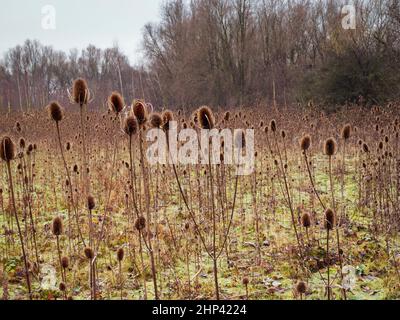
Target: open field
<point>126,229</point>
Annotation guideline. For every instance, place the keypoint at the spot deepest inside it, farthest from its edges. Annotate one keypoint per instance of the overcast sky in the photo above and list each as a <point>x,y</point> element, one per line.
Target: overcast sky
<point>77,23</point>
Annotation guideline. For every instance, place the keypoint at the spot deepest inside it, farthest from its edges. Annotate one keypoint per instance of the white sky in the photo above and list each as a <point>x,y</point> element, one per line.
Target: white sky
<point>78,23</point>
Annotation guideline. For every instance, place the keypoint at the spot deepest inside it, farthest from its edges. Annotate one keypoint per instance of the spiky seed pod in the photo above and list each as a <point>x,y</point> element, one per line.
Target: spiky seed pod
<point>227,116</point>
<point>56,112</point>
<point>140,112</point>
<point>90,202</point>
<point>305,143</point>
<point>283,134</point>
<point>120,254</point>
<point>65,262</point>
<point>365,148</point>
<point>329,219</point>
<point>167,117</point>
<point>206,118</point>
<point>62,286</point>
<point>301,287</point>
<point>80,92</point>
<point>240,139</point>
<point>89,254</point>
<point>272,125</point>
<point>131,125</point>
<point>22,143</point>
<point>330,147</point>
<point>57,227</point>
<point>346,132</point>
<point>245,281</point>
<point>140,223</point>
<point>116,102</point>
<point>156,120</point>
<point>7,149</point>
<point>306,220</point>
<point>18,127</point>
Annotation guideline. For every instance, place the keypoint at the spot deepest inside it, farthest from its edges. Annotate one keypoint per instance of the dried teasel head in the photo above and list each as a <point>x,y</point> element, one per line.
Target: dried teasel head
<point>7,149</point>
<point>80,92</point>
<point>330,147</point>
<point>120,254</point>
<point>65,262</point>
<point>329,219</point>
<point>131,125</point>
<point>156,120</point>
<point>140,111</point>
<point>245,281</point>
<point>206,118</point>
<point>240,139</point>
<point>305,143</point>
<point>227,116</point>
<point>56,112</point>
<point>62,287</point>
<point>140,223</point>
<point>301,287</point>
<point>89,254</point>
<point>167,117</point>
<point>346,132</point>
<point>116,102</point>
<point>306,220</point>
<point>90,202</point>
<point>272,126</point>
<point>57,227</point>
<point>22,143</point>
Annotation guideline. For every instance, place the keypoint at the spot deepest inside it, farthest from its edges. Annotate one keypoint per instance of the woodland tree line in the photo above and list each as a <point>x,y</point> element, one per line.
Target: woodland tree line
<point>225,53</point>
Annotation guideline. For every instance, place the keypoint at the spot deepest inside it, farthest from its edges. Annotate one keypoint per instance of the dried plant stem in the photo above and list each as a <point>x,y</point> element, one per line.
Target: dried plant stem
<point>132,186</point>
<point>28,282</point>
<point>337,228</point>
<point>147,197</point>
<point>70,185</point>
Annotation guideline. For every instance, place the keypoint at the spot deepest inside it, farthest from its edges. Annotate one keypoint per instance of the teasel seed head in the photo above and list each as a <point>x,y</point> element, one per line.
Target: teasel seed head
<point>240,139</point>
<point>22,143</point>
<point>330,147</point>
<point>62,286</point>
<point>65,262</point>
<point>120,254</point>
<point>346,132</point>
<point>301,287</point>
<point>245,281</point>
<point>55,111</point>
<point>131,125</point>
<point>227,116</point>
<point>116,102</point>
<point>306,220</point>
<point>272,125</point>
<point>90,202</point>
<point>7,149</point>
<point>305,143</point>
<point>206,118</point>
<point>140,111</point>
<point>57,227</point>
<point>140,223</point>
<point>365,148</point>
<point>80,92</point>
<point>329,219</point>
<point>156,120</point>
<point>89,254</point>
<point>167,116</point>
